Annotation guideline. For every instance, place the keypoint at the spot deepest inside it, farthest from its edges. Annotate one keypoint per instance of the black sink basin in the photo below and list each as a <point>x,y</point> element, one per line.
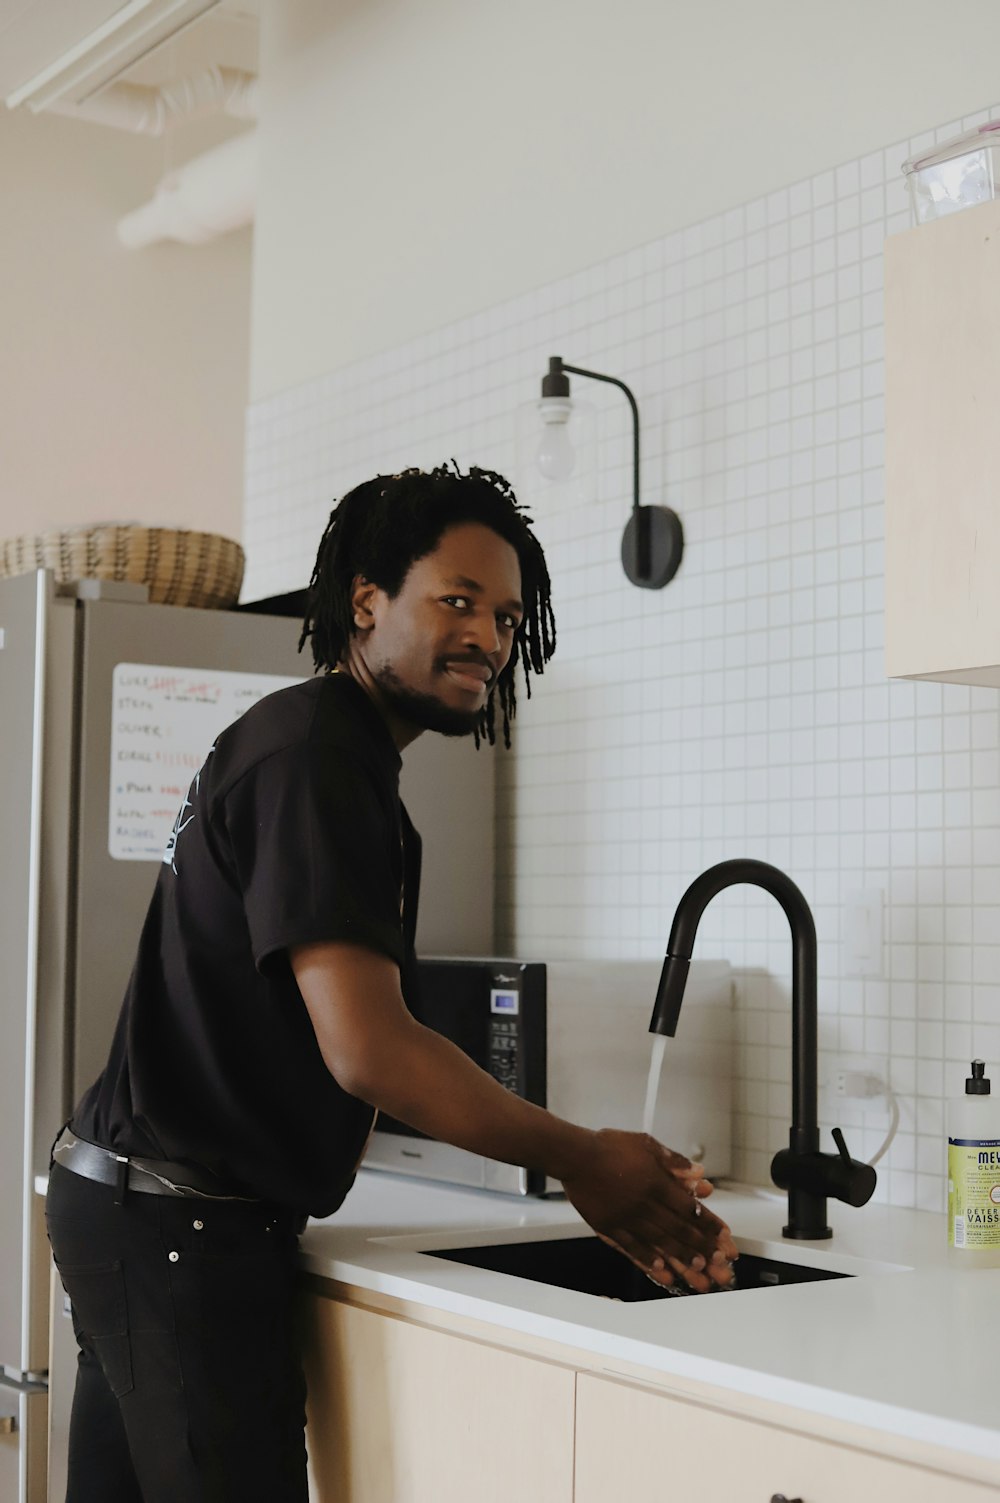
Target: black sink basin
<point>592,1267</point>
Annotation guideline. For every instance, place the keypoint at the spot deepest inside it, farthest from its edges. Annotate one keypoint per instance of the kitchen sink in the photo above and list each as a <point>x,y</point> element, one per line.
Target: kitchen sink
<point>590,1266</point>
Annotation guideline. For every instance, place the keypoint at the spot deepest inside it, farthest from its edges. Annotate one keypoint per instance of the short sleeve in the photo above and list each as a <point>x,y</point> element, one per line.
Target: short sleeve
<point>316,848</point>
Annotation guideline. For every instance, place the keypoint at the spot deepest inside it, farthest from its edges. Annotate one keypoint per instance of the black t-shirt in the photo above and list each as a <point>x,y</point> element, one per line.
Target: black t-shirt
<point>292,832</point>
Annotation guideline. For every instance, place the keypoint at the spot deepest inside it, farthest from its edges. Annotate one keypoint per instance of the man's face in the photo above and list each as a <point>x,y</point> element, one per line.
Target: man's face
<point>436,650</point>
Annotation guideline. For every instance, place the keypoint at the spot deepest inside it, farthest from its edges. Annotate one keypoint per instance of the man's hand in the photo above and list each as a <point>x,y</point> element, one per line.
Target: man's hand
<point>646,1201</point>
<point>635,1193</point>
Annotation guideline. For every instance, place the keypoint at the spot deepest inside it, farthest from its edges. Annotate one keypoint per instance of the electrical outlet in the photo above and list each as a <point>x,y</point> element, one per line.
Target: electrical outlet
<point>855,1076</point>
<point>862,932</point>
<point>858,1085</point>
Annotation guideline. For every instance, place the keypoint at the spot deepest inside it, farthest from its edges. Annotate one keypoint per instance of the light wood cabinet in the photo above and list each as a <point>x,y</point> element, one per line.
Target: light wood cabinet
<point>411,1405</point>
<point>636,1443</point>
<point>399,1413</point>
<point>942,477</point>
<point>9,1442</point>
<point>22,1446</point>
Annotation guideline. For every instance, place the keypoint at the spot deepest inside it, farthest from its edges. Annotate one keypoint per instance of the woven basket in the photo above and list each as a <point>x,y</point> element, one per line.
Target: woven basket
<point>179,567</point>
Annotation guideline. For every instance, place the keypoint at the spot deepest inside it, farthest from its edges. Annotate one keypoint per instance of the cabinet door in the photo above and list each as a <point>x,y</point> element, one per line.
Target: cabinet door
<point>942,385</point>
<point>22,1445</point>
<point>10,1443</point>
<point>634,1443</point>
<point>402,1414</point>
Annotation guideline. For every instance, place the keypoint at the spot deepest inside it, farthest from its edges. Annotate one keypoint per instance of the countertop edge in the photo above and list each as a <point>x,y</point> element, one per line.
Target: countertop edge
<point>945,1434</point>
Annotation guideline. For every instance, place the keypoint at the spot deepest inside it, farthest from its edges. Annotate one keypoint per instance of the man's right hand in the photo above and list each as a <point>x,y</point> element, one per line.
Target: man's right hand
<point>642,1199</point>
<point>635,1193</point>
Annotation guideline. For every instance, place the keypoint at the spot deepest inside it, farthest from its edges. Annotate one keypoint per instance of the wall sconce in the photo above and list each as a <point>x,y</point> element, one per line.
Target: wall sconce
<point>653,541</point>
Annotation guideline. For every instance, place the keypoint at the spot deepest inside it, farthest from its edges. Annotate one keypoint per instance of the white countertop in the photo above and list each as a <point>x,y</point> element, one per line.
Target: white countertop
<point>908,1346</point>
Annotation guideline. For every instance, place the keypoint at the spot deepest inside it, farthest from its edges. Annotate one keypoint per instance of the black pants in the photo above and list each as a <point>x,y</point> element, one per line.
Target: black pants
<point>189,1387</point>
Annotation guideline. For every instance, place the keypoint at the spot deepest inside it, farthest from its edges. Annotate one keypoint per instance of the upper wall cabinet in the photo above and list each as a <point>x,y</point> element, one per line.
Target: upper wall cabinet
<point>942,525</point>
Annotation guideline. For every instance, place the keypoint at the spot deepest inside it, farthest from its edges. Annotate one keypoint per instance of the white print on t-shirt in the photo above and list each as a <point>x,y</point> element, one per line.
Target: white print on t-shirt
<point>180,823</point>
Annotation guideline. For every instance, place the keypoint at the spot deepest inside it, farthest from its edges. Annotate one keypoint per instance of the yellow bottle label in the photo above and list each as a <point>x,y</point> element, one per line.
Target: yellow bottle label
<point>974,1192</point>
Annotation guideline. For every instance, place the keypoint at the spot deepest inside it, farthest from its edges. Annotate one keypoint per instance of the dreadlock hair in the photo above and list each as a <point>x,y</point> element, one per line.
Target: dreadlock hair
<point>381,528</point>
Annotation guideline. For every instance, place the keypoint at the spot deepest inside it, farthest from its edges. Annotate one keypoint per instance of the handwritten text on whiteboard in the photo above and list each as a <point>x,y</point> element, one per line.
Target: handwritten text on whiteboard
<point>163,723</point>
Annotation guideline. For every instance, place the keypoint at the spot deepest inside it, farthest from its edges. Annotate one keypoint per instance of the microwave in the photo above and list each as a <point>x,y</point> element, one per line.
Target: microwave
<point>573,1036</point>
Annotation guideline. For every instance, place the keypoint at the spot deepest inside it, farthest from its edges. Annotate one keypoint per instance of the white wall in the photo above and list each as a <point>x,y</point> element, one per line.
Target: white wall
<point>702,212</point>
<point>743,710</point>
<point>123,375</point>
<point>424,159</point>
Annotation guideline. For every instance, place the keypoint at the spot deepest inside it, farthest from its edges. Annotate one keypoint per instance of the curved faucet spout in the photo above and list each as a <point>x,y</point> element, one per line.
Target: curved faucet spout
<point>807,1174</point>
<point>804,1027</point>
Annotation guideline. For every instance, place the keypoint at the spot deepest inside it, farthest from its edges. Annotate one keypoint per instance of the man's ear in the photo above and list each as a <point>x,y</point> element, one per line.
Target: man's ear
<point>362,601</point>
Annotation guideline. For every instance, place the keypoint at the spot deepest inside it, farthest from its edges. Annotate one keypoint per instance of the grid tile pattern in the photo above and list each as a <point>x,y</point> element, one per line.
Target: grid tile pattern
<point>744,709</point>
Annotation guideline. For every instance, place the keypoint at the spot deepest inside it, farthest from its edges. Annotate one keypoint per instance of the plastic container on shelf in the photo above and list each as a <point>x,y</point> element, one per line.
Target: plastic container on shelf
<point>957,174</point>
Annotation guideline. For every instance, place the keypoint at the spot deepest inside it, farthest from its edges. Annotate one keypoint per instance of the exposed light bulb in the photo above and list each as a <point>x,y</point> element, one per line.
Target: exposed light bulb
<point>555,455</point>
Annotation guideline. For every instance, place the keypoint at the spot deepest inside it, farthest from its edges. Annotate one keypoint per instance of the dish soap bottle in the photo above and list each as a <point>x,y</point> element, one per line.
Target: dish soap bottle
<point>974,1174</point>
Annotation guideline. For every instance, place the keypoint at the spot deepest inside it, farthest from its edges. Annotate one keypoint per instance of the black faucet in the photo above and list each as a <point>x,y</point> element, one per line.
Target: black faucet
<point>808,1175</point>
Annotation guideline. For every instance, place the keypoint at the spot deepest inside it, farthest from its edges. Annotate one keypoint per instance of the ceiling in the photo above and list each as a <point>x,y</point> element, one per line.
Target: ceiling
<point>151,41</point>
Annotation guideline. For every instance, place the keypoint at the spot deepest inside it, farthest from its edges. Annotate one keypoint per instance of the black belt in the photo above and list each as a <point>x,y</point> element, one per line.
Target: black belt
<point>148,1176</point>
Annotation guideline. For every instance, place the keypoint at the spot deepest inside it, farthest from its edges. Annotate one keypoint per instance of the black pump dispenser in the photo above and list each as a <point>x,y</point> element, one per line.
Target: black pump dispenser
<point>977,1084</point>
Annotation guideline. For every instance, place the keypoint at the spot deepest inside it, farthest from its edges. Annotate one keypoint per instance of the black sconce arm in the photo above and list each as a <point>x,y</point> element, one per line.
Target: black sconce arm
<point>576,370</point>
<point>654,539</point>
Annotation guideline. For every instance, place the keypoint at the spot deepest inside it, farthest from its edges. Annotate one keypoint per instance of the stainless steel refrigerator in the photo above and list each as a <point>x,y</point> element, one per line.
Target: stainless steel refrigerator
<point>107,706</point>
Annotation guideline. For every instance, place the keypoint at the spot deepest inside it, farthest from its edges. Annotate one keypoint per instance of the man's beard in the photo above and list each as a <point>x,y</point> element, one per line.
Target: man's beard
<point>423,709</point>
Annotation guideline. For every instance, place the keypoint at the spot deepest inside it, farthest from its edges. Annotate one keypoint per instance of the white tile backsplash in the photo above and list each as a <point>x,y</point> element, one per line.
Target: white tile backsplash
<point>742,711</point>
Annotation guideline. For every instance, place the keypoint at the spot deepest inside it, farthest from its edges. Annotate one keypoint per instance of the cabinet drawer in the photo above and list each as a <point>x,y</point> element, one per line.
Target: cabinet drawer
<point>631,1442</point>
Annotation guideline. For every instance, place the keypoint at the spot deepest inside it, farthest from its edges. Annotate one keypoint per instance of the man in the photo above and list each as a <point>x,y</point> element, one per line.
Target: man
<point>265,1020</point>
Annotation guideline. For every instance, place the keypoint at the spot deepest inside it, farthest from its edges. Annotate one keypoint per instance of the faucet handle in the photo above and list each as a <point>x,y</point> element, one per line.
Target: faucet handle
<point>825,1174</point>
<point>855,1182</point>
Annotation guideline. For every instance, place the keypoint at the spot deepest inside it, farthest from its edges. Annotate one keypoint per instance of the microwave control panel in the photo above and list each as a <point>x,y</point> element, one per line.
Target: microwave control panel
<point>505,1033</point>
